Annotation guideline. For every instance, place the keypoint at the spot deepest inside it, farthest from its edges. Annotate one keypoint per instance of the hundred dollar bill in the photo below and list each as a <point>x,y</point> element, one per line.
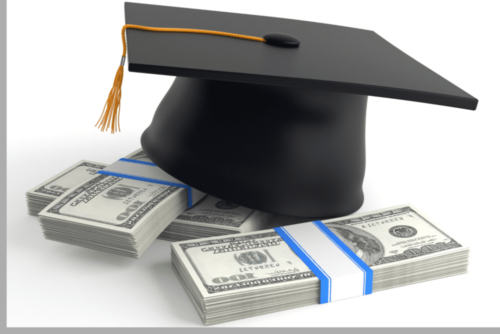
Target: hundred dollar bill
<point>214,211</point>
<point>238,276</point>
<point>384,238</point>
<point>243,262</point>
<point>111,200</point>
<point>212,217</point>
<point>42,195</point>
<point>114,214</point>
<point>392,235</point>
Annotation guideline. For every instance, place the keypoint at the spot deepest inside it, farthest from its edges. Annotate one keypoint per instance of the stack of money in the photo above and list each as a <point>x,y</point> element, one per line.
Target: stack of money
<point>113,214</point>
<point>255,273</point>
<point>211,217</point>
<point>214,217</point>
<point>42,195</point>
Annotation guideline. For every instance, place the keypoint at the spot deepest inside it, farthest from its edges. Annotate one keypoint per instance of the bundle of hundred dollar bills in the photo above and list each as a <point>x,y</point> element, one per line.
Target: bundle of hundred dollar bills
<point>254,273</point>
<point>113,214</point>
<point>124,216</point>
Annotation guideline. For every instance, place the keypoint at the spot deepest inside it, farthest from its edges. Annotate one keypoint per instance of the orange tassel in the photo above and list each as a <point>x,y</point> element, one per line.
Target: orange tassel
<point>110,117</point>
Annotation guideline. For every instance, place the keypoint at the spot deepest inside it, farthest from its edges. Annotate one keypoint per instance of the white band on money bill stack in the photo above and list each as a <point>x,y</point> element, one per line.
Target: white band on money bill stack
<point>149,172</point>
<point>341,272</point>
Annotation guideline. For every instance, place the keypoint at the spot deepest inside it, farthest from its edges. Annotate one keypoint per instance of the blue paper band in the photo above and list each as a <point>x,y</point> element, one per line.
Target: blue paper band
<point>329,276</point>
<point>368,287</point>
<point>146,179</point>
<point>138,162</point>
<point>325,281</point>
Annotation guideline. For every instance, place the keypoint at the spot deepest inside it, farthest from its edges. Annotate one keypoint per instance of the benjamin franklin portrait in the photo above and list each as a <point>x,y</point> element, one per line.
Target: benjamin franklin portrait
<point>363,244</point>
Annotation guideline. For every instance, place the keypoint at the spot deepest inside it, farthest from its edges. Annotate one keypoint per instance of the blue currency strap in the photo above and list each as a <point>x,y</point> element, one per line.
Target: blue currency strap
<point>138,162</point>
<point>329,273</point>
<point>325,281</point>
<point>368,286</point>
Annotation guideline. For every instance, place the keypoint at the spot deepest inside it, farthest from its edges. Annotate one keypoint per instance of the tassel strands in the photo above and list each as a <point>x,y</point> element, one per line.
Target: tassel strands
<point>110,117</point>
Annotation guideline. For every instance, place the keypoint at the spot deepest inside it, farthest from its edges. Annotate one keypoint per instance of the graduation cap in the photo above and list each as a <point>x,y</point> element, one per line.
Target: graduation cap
<point>267,112</point>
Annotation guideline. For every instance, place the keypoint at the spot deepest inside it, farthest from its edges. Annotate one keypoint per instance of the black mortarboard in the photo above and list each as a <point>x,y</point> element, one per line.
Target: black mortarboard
<point>272,126</point>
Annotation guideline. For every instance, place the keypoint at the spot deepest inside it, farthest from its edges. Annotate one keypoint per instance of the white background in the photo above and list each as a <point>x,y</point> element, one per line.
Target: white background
<point>62,58</point>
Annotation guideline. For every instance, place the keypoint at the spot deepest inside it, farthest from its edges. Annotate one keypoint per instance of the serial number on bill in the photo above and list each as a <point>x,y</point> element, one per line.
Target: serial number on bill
<point>262,266</point>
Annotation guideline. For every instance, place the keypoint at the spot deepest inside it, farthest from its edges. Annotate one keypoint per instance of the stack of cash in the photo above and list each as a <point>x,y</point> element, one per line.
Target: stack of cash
<point>255,273</point>
<point>113,214</point>
<point>85,211</point>
<point>214,217</point>
<point>42,195</point>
